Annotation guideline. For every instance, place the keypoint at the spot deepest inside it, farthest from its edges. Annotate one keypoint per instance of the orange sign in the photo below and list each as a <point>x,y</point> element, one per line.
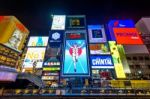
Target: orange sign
<point>127,36</point>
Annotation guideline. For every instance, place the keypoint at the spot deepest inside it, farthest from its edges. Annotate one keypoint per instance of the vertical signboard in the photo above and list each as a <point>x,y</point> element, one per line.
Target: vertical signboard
<point>75,56</point>
<point>96,34</point>
<point>58,22</point>
<point>116,59</point>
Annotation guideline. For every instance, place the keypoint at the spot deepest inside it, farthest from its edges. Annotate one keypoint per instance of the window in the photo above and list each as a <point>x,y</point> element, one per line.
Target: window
<point>140,58</point>
<point>128,58</point>
<point>134,58</point>
<point>146,58</point>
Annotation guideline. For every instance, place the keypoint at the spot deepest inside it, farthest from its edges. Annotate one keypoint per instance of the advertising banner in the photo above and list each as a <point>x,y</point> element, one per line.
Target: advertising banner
<point>58,22</point>
<point>34,57</point>
<point>75,56</point>
<point>101,61</point>
<point>116,60</point>
<point>75,21</point>
<point>101,48</point>
<point>127,36</point>
<point>38,41</point>
<point>12,33</point>
<point>96,34</point>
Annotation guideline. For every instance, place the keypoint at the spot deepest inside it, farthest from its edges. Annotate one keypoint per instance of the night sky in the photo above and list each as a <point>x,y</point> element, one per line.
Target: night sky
<point>36,14</point>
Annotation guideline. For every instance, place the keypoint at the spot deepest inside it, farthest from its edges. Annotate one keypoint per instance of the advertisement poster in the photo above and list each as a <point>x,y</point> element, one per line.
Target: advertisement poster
<point>101,61</point>
<point>96,34</point>
<point>38,41</point>
<point>75,57</point>
<point>127,36</point>
<point>99,49</point>
<point>15,40</point>
<point>34,57</point>
<point>58,22</point>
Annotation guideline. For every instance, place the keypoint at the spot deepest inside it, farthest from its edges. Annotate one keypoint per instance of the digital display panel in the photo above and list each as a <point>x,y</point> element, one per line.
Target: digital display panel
<point>96,33</point>
<point>58,22</point>
<point>127,36</point>
<point>76,21</point>
<point>75,56</point>
<point>101,61</point>
<point>38,41</point>
<point>101,48</point>
<point>34,57</point>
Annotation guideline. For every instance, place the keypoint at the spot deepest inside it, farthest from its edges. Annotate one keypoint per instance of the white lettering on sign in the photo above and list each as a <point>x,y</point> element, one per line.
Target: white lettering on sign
<point>99,61</point>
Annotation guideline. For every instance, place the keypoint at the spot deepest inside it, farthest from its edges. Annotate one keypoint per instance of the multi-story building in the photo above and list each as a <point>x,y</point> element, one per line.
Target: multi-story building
<point>13,35</point>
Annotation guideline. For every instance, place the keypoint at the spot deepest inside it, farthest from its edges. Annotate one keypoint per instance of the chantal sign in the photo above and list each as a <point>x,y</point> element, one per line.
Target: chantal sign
<point>101,61</point>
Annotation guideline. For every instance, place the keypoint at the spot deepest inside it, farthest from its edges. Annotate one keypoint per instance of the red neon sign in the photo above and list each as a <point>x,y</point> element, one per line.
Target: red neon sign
<point>74,36</point>
<point>127,36</point>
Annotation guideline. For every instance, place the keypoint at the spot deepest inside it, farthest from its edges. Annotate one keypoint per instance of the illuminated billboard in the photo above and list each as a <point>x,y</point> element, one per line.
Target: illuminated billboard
<point>12,33</point>
<point>101,48</point>
<point>101,61</point>
<point>116,60</point>
<point>127,36</point>
<point>96,33</point>
<point>75,56</point>
<point>58,22</point>
<point>8,76</point>
<point>75,21</point>
<point>34,57</point>
<point>38,41</point>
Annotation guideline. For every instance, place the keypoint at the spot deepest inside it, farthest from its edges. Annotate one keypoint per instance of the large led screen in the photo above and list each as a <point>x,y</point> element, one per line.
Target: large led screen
<point>127,36</point>
<point>101,61</point>
<point>58,22</point>
<point>101,48</point>
<point>34,57</point>
<point>75,57</point>
<point>96,34</point>
<point>38,41</point>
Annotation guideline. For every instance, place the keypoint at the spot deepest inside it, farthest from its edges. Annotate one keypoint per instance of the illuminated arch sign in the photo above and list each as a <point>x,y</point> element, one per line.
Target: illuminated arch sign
<point>127,36</point>
<point>101,61</point>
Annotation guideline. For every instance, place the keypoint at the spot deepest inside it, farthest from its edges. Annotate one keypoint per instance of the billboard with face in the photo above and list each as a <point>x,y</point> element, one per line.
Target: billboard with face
<point>75,56</point>
<point>96,34</point>
<point>34,57</point>
<point>38,41</point>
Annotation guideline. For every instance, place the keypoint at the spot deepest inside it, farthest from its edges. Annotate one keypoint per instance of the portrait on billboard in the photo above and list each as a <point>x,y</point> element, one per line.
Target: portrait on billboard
<point>75,61</point>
